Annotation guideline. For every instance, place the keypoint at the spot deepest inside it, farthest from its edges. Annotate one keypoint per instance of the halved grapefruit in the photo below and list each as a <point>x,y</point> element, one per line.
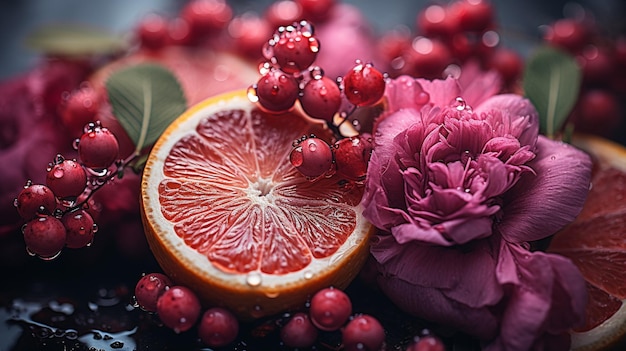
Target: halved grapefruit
<point>596,243</point>
<point>226,214</point>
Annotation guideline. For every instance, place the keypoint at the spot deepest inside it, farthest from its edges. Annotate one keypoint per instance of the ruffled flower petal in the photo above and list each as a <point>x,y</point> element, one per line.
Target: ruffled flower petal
<point>521,119</point>
<point>544,202</point>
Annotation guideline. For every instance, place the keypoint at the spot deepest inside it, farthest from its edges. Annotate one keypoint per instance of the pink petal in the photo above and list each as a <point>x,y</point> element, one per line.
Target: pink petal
<point>524,118</point>
<point>442,92</point>
<point>478,85</point>
<point>539,205</point>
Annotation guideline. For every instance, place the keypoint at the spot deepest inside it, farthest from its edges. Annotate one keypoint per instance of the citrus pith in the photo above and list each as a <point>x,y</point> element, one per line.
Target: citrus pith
<point>227,215</point>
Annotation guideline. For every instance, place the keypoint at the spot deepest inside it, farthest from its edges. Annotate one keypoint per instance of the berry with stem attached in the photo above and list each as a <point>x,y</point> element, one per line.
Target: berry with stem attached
<point>66,178</point>
<point>44,236</point>
<point>312,156</point>
<point>218,327</point>
<point>178,308</point>
<point>149,288</point>
<point>35,199</point>
<point>97,147</point>
<point>363,332</point>
<point>364,85</point>
<point>330,309</point>
<point>321,98</point>
<point>299,332</point>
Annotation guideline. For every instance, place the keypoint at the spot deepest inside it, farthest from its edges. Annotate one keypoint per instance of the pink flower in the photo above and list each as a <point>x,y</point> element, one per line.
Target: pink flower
<point>459,183</point>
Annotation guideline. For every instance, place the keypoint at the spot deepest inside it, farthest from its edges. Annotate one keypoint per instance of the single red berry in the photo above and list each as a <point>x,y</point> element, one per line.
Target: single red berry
<point>294,51</point>
<point>80,228</point>
<point>597,111</point>
<point>598,65</point>
<point>363,332</point>
<point>283,13</point>
<point>507,63</point>
<point>179,33</point>
<point>277,91</point>
<point>80,108</point>
<point>312,157</point>
<point>393,44</point>
<point>178,308</point>
<point>427,58</point>
<point>330,309</point>
<point>98,147</point>
<point>321,98</point>
<point>364,85</point>
<point>153,32</point>
<point>249,34</point>
<point>206,16</point>
<point>436,20</point>
<point>149,288</point>
<point>473,15</point>
<point>427,343</point>
<point>317,10</point>
<point>568,34</point>
<point>66,178</point>
<point>35,199</point>
<point>299,332</point>
<point>44,236</point>
<point>218,327</point>
<point>352,156</point>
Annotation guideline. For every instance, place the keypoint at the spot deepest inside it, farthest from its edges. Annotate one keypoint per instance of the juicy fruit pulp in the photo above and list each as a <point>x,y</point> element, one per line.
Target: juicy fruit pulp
<point>223,204</point>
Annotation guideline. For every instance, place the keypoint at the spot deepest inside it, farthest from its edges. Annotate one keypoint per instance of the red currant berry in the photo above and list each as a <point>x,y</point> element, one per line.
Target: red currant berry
<point>427,343</point>
<point>597,112</point>
<point>598,64</point>
<point>436,20</point>
<point>179,33</point>
<point>568,34</point>
<point>312,157</point>
<point>149,288</point>
<point>44,236</point>
<point>364,85</point>
<point>473,15</point>
<point>80,108</point>
<point>352,156</point>
<point>316,10</point>
<point>206,16</point>
<point>363,332</point>
<point>294,51</point>
<point>427,58</point>
<point>321,98</point>
<point>218,327</point>
<point>98,147</point>
<point>276,91</point>
<point>283,13</point>
<point>249,34</point>
<point>153,32</point>
<point>80,229</point>
<point>330,309</point>
<point>178,308</point>
<point>35,199</point>
<point>299,332</point>
<point>66,178</point>
<point>508,63</point>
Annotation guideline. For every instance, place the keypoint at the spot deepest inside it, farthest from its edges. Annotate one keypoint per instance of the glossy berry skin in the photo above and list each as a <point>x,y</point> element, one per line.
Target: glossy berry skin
<point>473,15</point>
<point>283,13</point>
<point>249,34</point>
<point>352,156</point>
<point>277,91</point>
<point>79,108</point>
<point>427,343</point>
<point>436,21</point>
<point>206,16</point>
<point>321,98</point>
<point>67,179</point>
<point>98,148</point>
<point>299,332</point>
<point>149,288</point>
<point>508,63</point>
<point>80,228</point>
<point>427,58</point>
<point>35,199</point>
<point>312,157</point>
<point>44,236</point>
<point>178,308</point>
<point>295,52</point>
<point>568,34</point>
<point>364,85</point>
<point>153,32</point>
<point>218,327</point>
<point>363,333</point>
<point>316,10</point>
<point>330,309</point>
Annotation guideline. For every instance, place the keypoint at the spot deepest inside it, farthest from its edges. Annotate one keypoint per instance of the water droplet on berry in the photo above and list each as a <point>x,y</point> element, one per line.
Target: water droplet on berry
<point>75,143</point>
<point>316,72</point>
<point>254,279</point>
<point>306,28</point>
<point>275,89</point>
<point>58,159</point>
<point>268,50</point>
<point>314,45</point>
<point>252,95</point>
<point>357,125</point>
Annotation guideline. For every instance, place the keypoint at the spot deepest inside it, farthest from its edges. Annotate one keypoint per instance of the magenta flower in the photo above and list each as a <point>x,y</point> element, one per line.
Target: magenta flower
<point>459,183</point>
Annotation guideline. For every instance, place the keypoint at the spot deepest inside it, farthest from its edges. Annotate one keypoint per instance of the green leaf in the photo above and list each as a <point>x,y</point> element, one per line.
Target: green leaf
<point>68,40</point>
<point>145,99</point>
<point>552,80</point>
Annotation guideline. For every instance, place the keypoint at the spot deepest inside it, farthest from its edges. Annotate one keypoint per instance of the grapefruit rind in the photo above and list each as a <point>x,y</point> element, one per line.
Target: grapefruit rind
<point>602,336</point>
<point>251,295</point>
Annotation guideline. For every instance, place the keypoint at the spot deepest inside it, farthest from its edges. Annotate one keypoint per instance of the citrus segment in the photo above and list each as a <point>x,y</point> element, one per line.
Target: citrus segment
<point>228,215</point>
<point>596,243</point>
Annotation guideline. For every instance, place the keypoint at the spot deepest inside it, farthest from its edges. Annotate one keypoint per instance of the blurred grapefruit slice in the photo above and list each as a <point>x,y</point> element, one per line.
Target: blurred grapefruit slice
<point>596,243</point>
<point>227,215</point>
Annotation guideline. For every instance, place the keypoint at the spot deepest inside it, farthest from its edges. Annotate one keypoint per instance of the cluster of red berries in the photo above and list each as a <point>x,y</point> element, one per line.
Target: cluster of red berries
<point>57,213</point>
<point>448,35</point>
<point>289,76</point>
<point>329,310</point>
<point>603,63</point>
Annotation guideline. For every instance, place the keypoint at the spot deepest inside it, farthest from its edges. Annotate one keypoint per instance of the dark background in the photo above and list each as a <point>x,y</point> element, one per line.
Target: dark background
<point>519,20</point>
